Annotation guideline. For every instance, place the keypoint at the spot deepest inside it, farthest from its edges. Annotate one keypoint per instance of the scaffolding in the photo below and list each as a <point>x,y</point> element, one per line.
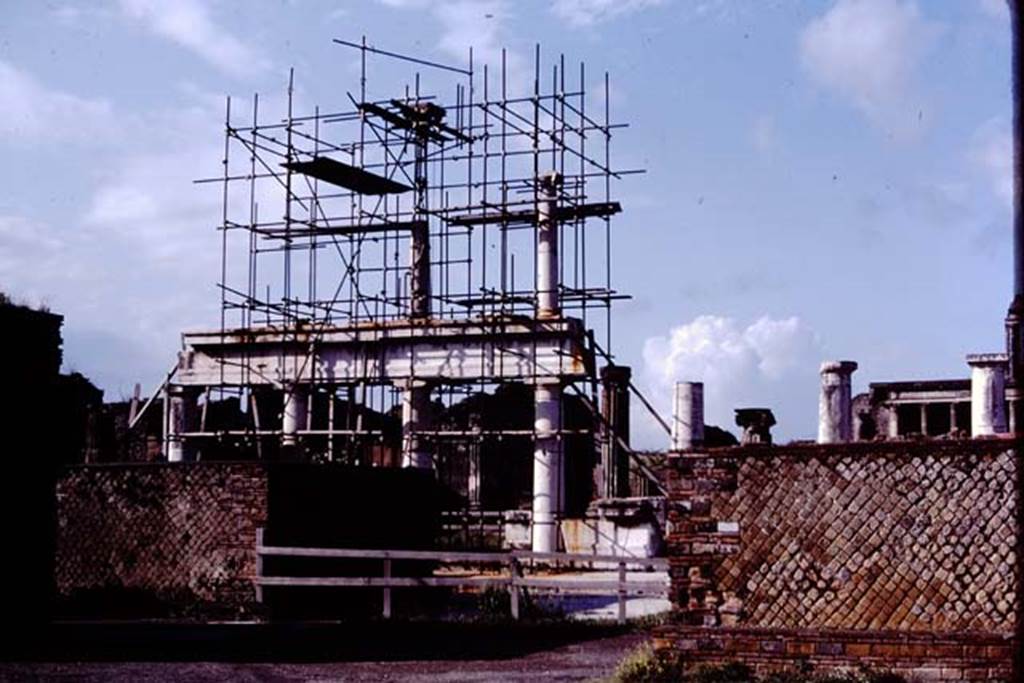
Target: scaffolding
<point>404,254</point>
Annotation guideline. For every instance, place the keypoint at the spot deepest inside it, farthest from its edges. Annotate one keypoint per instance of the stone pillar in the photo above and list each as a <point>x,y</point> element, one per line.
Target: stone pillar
<point>988,393</point>
<point>415,418</point>
<point>835,409</point>
<point>294,414</point>
<point>1014,349</point>
<point>547,245</point>
<point>419,271</point>
<point>615,413</point>
<point>548,469</point>
<point>419,238</point>
<point>894,421</point>
<point>688,416</point>
<point>474,485</point>
<point>180,412</point>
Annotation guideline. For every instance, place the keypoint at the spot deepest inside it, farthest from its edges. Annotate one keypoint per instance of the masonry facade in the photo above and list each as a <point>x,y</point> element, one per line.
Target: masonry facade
<point>902,555</point>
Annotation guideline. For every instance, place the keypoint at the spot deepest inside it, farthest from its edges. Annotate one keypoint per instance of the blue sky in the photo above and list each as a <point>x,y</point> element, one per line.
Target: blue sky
<point>824,179</point>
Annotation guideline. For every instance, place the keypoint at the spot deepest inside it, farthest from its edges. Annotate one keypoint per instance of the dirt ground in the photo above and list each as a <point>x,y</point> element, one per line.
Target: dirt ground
<point>585,656</point>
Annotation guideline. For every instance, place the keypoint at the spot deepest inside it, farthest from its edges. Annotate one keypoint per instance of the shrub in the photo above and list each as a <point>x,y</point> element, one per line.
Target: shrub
<point>644,665</point>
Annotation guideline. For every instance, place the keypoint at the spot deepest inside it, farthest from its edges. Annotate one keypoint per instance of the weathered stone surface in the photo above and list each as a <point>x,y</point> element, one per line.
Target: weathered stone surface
<point>846,542</point>
<point>180,535</point>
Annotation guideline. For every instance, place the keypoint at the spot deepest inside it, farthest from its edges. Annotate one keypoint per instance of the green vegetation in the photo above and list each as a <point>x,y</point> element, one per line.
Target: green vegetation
<point>644,665</point>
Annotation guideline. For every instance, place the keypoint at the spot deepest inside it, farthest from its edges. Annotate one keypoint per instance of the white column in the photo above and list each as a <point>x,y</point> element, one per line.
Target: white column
<point>548,479</point>
<point>835,409</point>
<point>179,417</point>
<point>547,246</point>
<point>293,414</point>
<point>415,417</point>
<point>988,393</point>
<point>688,416</point>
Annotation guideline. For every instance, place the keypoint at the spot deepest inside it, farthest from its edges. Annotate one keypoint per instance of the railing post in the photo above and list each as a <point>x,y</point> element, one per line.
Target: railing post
<point>513,586</point>
<point>387,590</point>
<point>259,564</point>
<point>622,592</point>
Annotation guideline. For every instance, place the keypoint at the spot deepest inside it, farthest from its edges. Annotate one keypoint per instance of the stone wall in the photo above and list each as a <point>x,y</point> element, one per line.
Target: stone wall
<point>178,540</point>
<point>905,554</point>
<point>159,540</point>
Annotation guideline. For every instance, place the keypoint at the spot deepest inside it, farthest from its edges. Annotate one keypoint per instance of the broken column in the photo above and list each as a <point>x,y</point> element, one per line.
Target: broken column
<point>835,409</point>
<point>615,415</point>
<point>419,239</point>
<point>988,393</point>
<point>547,245</point>
<point>756,424</point>
<point>180,412</point>
<point>415,417</point>
<point>419,270</point>
<point>548,481</point>
<point>294,412</point>
<point>688,416</point>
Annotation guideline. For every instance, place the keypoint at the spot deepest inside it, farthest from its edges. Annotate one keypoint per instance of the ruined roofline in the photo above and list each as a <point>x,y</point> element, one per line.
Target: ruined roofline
<point>966,447</point>
<point>921,385</point>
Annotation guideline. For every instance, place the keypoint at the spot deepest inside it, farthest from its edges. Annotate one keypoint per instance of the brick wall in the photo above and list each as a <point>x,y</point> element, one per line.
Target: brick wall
<point>903,554</point>
<point>177,540</point>
<point>159,540</point>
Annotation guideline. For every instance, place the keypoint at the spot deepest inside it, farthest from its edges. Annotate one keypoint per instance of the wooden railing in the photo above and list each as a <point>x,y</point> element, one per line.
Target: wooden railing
<point>511,576</point>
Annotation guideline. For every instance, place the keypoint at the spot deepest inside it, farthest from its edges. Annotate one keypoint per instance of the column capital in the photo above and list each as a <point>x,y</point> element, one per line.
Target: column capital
<point>550,180</point>
<point>981,360</point>
<point>841,367</point>
<point>616,373</point>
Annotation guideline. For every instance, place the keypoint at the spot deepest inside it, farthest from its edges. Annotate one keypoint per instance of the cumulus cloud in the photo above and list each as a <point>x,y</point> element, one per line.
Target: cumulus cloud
<point>581,13</point>
<point>472,22</point>
<point>31,112</point>
<point>480,24</point>
<point>991,153</point>
<point>868,51</point>
<point>143,240</point>
<point>769,363</point>
<point>189,24</point>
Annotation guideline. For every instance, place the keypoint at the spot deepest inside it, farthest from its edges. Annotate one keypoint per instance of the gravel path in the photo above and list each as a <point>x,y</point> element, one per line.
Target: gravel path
<point>580,661</point>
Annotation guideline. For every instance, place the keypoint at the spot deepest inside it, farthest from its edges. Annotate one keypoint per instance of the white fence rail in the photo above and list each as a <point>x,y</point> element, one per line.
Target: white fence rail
<point>511,577</point>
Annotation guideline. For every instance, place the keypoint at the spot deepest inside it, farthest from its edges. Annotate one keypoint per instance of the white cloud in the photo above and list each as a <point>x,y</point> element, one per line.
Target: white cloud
<point>143,242</point>
<point>991,152</point>
<point>479,24</point>
<point>31,112</point>
<point>770,363</point>
<point>868,51</point>
<point>581,13</point>
<point>189,24</point>
<point>472,22</point>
